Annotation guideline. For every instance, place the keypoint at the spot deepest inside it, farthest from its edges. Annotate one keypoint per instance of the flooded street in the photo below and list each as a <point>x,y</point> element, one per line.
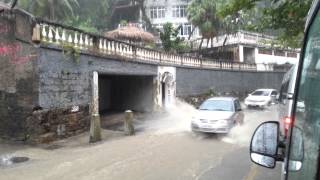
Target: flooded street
<point>163,148</point>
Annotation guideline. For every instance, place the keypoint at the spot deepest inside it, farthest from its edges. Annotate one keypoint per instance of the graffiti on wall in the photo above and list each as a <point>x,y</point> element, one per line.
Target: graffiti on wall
<point>4,28</point>
<point>12,50</point>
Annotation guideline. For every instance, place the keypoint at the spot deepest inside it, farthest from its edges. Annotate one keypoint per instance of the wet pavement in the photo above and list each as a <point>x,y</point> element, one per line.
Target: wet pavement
<point>163,148</point>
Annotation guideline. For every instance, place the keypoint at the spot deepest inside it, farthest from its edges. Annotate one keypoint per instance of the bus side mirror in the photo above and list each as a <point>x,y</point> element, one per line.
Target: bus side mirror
<point>264,144</point>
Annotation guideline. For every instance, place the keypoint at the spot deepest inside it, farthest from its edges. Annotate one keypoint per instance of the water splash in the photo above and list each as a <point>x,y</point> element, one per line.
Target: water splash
<point>241,135</point>
<point>175,119</point>
<point>5,160</point>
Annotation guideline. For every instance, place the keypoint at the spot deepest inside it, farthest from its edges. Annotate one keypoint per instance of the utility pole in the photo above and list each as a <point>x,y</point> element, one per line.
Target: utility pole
<point>95,126</point>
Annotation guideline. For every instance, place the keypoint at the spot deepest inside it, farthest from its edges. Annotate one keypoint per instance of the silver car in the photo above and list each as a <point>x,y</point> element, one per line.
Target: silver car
<point>217,115</point>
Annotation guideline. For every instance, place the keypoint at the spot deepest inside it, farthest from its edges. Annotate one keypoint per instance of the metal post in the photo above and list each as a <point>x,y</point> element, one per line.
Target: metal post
<point>95,126</point>
<point>128,123</point>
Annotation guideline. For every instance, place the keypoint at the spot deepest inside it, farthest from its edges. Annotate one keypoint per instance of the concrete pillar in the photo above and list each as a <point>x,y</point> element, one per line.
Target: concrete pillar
<point>95,126</point>
<point>241,56</point>
<point>128,123</point>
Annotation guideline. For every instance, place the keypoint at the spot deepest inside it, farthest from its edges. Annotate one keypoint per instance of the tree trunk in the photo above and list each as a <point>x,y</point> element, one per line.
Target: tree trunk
<point>200,44</point>
<point>52,10</point>
<point>192,31</point>
<point>144,15</point>
<point>225,40</point>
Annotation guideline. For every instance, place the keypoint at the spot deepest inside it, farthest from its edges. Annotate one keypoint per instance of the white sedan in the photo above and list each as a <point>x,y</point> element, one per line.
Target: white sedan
<point>261,98</point>
<point>217,115</point>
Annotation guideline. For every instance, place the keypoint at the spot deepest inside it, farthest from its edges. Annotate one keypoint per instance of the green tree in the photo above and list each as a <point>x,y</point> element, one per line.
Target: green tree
<point>285,16</point>
<point>96,14</point>
<point>203,14</point>
<point>93,16</point>
<point>169,38</point>
<point>51,9</point>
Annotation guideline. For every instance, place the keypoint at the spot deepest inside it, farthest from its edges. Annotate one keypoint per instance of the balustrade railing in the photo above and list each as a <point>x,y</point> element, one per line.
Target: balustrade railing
<point>57,34</point>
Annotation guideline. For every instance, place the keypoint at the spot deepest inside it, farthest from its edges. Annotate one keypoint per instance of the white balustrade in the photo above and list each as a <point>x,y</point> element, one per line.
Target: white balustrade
<point>43,33</point>
<point>100,45</point>
<point>70,39</point>
<point>75,40</point>
<point>81,41</point>
<point>63,38</point>
<point>58,34</point>
<point>50,34</point>
<point>86,41</point>
<point>104,45</point>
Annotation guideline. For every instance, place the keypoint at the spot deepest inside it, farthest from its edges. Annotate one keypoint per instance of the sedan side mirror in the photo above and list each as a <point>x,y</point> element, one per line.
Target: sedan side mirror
<point>264,144</point>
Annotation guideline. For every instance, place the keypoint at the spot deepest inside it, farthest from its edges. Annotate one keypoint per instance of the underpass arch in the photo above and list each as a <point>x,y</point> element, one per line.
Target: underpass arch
<point>167,86</point>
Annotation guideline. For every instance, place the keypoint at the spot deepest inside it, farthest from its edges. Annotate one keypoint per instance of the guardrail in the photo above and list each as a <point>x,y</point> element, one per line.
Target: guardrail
<point>58,34</point>
<point>240,37</point>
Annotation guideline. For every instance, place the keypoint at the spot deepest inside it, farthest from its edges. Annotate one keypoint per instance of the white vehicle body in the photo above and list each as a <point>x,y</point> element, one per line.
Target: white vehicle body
<point>261,98</point>
<point>215,120</point>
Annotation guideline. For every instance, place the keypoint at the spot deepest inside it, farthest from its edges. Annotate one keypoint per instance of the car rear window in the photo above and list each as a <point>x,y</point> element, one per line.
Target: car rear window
<point>260,93</point>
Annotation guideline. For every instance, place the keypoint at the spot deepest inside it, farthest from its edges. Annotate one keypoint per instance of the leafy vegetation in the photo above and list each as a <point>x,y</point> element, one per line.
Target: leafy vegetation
<point>287,17</point>
<point>69,51</point>
<point>284,18</point>
<point>203,14</point>
<point>170,40</point>
<point>92,16</point>
<point>51,9</point>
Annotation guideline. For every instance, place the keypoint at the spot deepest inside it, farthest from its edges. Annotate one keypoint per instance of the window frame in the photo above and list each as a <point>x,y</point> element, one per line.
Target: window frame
<point>179,11</point>
<point>157,12</point>
<point>315,9</point>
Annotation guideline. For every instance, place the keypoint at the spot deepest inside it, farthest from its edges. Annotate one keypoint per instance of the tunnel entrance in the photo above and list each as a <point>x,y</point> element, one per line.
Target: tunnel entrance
<point>118,93</point>
<point>163,93</point>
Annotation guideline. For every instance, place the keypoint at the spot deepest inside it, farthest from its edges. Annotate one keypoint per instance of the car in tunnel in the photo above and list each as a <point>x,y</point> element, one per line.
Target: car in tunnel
<point>217,115</point>
<point>261,98</point>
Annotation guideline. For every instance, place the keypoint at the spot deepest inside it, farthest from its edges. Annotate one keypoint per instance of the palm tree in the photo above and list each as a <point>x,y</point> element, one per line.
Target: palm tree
<point>203,14</point>
<point>52,9</point>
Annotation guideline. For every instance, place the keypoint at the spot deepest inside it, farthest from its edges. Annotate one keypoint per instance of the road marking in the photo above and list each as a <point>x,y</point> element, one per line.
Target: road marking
<point>252,173</point>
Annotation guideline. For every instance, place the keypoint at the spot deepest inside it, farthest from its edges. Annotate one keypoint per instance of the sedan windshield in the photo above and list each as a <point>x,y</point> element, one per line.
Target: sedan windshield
<point>260,93</point>
<point>217,105</point>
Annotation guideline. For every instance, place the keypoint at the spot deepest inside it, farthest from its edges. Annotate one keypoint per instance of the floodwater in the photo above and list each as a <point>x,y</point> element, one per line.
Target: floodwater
<point>165,148</point>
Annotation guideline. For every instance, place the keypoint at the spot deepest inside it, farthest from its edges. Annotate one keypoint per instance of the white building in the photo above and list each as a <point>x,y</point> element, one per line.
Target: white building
<point>251,47</point>
<point>243,46</point>
<point>172,11</point>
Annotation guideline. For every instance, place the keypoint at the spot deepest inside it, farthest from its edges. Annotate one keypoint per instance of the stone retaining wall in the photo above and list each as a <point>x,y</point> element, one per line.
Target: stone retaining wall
<point>44,126</point>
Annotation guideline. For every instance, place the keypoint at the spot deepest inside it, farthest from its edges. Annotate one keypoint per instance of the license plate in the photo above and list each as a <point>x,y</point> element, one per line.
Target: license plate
<point>206,126</point>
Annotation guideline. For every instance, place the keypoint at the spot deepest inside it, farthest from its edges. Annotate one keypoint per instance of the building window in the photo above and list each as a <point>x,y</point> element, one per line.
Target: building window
<point>185,29</point>
<point>265,51</point>
<point>179,11</point>
<point>157,12</point>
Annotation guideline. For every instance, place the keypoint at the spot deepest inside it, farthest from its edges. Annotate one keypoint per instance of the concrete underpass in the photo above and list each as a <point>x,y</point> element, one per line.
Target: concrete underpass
<point>118,93</point>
